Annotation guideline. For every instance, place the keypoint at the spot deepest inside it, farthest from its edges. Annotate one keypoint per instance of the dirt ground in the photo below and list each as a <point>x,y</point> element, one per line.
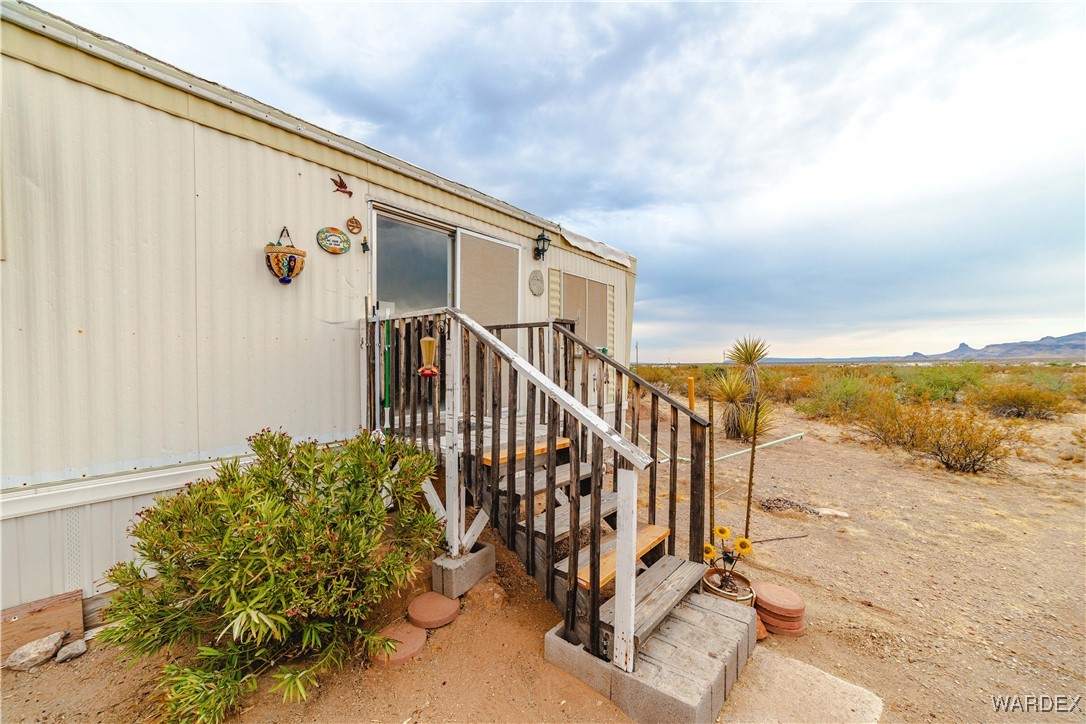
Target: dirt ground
<point>938,592</point>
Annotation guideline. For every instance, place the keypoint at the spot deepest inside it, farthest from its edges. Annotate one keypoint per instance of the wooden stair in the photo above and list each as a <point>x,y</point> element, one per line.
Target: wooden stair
<point>657,591</point>
<point>649,536</point>
<point>608,505</point>
<point>521,450</point>
<point>561,480</point>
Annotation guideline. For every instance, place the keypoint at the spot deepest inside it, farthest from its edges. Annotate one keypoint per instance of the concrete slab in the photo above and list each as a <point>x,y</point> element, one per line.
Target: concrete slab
<point>776,688</point>
<point>452,577</point>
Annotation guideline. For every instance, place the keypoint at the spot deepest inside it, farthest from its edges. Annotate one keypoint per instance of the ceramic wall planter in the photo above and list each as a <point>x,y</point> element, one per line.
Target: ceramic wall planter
<point>285,261</point>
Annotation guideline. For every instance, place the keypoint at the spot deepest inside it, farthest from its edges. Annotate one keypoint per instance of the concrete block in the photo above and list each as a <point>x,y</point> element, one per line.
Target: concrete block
<point>453,577</point>
<point>594,672</point>
<point>657,694</point>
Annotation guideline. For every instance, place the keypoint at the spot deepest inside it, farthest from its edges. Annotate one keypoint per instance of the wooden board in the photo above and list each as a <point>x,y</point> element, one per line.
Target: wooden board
<point>540,449</point>
<point>561,480</point>
<point>32,621</point>
<point>648,537</point>
<point>656,593</point>
<point>608,505</point>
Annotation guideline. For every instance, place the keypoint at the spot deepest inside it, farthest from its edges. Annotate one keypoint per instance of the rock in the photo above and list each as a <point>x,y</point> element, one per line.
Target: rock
<point>27,656</point>
<point>831,513</point>
<point>72,651</point>
<point>762,633</point>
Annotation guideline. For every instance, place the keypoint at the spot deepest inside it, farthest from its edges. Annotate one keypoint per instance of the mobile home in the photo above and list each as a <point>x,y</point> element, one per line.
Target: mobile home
<point>142,336</point>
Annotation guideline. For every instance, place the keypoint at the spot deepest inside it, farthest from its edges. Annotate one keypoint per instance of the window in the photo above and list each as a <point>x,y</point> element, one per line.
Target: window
<point>586,302</point>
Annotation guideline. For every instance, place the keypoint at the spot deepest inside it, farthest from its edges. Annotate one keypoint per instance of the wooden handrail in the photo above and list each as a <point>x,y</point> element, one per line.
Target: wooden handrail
<point>634,376</point>
<point>597,425</point>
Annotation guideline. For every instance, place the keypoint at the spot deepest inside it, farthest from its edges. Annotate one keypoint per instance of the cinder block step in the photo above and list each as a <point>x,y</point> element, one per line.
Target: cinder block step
<point>656,592</point>
<point>685,669</point>
<point>608,505</point>
<point>648,537</point>
<point>522,449</point>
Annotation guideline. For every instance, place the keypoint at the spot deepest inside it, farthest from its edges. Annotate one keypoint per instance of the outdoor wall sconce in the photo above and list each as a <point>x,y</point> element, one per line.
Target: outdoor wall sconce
<point>542,243</point>
<point>429,346</point>
<point>284,261</point>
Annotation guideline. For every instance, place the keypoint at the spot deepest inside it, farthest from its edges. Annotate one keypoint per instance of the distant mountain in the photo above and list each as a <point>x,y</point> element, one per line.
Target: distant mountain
<point>1070,347</point>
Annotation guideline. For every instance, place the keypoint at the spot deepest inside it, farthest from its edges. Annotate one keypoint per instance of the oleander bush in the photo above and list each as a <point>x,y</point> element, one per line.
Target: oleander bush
<point>271,568</point>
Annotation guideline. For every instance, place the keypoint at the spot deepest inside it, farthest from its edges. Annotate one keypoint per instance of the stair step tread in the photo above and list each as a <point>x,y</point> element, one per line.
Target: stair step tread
<point>522,449</point>
<point>608,505</point>
<point>561,480</point>
<point>648,537</point>
<point>656,593</point>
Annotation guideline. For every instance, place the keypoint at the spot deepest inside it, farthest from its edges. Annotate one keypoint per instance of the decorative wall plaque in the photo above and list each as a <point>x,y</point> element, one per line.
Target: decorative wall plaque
<point>333,241</point>
<point>535,282</point>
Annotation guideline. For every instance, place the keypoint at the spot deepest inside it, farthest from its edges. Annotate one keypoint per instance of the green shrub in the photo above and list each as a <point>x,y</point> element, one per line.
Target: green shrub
<point>1017,398</point>
<point>279,560</point>
<point>938,383</point>
<point>966,441</point>
<point>836,396</point>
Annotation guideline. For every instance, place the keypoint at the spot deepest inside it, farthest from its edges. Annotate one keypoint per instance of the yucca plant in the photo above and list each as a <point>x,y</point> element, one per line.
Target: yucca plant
<point>761,416</point>
<point>731,391</point>
<point>748,353</point>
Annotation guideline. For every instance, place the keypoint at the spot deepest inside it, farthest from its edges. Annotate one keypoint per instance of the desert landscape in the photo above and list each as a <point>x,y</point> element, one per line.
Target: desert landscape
<point>938,592</point>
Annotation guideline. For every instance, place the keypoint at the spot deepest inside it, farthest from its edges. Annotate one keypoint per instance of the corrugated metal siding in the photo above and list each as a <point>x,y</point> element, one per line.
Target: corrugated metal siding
<point>269,354</point>
<point>98,372</point>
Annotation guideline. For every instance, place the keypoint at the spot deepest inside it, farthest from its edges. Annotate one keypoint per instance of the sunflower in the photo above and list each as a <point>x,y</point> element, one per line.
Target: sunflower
<point>722,532</point>
<point>708,552</point>
<point>743,546</point>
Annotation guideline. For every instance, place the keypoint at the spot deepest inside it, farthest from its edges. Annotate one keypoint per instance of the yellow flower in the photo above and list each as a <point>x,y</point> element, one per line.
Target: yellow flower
<point>708,552</point>
<point>722,532</point>
<point>743,546</point>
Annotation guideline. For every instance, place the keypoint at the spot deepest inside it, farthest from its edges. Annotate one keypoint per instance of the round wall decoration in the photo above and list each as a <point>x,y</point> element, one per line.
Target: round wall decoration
<point>535,282</point>
<point>333,241</point>
<point>354,225</point>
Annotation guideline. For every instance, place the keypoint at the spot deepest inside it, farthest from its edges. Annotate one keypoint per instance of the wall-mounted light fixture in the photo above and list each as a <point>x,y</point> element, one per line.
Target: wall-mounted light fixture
<point>542,243</point>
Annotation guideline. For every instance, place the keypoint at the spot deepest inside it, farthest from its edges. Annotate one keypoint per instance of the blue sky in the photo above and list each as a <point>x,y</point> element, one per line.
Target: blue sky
<point>840,179</point>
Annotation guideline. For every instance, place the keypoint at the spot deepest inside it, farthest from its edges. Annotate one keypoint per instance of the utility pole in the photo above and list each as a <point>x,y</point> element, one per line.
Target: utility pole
<point>637,353</point>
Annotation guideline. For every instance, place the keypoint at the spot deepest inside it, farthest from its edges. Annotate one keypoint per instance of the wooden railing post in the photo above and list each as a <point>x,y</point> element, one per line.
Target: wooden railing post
<point>625,570</point>
<point>452,457</point>
<point>697,490</point>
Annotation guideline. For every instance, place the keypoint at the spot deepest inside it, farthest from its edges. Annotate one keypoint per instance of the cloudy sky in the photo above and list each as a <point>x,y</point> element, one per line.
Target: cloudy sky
<point>841,179</point>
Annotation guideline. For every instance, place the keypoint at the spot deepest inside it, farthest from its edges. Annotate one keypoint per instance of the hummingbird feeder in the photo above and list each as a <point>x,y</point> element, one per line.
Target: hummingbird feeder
<point>429,347</point>
<point>284,261</point>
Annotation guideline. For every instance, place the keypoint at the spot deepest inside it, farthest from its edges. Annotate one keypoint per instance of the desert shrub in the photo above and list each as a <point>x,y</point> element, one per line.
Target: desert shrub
<point>938,383</point>
<point>787,384</point>
<point>966,441</point>
<point>276,561</point>
<point>1018,398</point>
<point>836,396</point>
<point>884,419</point>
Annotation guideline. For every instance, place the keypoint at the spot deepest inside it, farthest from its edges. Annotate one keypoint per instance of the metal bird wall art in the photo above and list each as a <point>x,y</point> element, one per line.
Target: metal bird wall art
<point>341,186</point>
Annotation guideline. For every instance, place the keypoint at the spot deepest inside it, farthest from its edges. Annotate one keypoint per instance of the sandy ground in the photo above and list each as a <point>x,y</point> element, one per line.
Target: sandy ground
<point>939,592</point>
